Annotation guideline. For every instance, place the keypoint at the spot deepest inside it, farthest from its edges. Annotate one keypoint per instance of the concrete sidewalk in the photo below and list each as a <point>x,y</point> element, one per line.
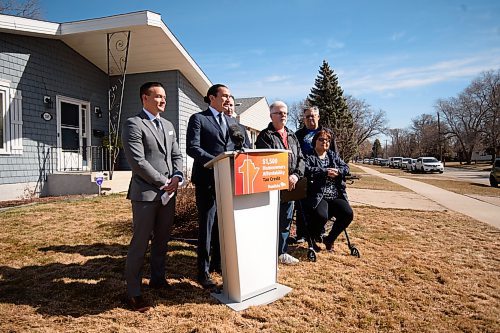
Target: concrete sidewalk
<point>480,210</point>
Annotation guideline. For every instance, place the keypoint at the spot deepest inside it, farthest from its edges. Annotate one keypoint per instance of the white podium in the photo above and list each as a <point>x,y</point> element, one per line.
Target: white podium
<point>248,225</point>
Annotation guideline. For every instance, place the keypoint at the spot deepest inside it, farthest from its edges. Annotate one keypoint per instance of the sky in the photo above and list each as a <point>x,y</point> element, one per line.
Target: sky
<point>398,56</point>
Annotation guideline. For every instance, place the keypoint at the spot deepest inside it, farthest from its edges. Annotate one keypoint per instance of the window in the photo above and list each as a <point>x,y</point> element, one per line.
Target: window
<point>11,124</point>
<point>2,123</point>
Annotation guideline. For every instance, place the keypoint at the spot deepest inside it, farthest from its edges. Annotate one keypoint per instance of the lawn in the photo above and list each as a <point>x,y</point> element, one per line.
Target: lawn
<point>62,271</point>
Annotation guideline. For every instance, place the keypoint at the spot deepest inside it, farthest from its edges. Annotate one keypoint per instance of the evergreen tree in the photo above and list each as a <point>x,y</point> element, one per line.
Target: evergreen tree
<point>327,95</point>
<point>377,148</point>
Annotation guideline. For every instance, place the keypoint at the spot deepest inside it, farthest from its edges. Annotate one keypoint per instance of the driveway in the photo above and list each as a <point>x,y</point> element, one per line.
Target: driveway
<point>480,210</point>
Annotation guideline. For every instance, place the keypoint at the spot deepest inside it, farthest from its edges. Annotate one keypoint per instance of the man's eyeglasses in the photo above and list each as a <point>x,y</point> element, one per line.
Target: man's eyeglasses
<point>324,140</point>
<point>311,116</point>
<point>280,113</point>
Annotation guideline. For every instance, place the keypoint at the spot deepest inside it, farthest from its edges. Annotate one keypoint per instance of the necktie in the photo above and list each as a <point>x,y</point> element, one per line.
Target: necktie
<point>157,124</point>
<point>222,124</point>
<point>159,129</point>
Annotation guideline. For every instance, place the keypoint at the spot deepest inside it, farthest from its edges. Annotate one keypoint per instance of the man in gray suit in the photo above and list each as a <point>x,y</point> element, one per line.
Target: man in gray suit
<point>151,148</point>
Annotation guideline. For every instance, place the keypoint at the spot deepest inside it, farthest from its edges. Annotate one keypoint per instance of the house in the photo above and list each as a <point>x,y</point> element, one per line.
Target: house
<point>65,87</point>
<point>253,113</point>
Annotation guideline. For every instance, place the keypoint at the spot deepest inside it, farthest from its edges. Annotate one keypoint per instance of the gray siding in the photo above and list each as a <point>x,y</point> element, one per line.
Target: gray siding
<point>182,101</point>
<point>40,67</point>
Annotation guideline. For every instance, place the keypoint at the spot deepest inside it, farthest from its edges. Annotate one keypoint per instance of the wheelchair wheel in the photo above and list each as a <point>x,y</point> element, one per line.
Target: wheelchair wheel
<point>354,252</point>
<point>311,255</point>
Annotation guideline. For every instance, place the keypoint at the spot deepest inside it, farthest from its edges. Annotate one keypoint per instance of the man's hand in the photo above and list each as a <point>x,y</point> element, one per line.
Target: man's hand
<point>171,185</point>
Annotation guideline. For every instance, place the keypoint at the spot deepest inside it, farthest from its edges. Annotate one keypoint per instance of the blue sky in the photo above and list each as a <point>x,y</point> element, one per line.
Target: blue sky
<point>399,56</point>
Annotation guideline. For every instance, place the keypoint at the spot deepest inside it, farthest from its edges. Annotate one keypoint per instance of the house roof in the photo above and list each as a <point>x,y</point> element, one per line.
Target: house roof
<point>245,104</point>
<point>253,112</point>
<point>88,37</point>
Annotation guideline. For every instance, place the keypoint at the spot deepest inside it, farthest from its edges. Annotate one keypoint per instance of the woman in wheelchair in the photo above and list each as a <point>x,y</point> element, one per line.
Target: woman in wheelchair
<point>326,191</point>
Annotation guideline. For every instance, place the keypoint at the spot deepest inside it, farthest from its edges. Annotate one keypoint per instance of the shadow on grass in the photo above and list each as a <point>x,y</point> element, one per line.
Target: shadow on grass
<point>96,285</point>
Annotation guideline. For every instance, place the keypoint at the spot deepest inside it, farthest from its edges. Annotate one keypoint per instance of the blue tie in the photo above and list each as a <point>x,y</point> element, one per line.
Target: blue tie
<point>222,124</point>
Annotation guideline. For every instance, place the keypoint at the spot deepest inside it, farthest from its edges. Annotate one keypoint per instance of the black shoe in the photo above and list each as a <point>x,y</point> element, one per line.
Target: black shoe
<point>328,245</point>
<point>205,281</point>
<point>163,285</point>
<point>137,303</point>
<point>316,247</point>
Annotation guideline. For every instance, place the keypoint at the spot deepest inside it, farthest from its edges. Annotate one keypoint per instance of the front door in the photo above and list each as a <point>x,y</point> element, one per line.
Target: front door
<point>73,139</point>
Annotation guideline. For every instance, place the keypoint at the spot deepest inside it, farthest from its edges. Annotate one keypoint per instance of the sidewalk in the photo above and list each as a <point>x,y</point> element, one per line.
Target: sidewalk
<point>477,209</point>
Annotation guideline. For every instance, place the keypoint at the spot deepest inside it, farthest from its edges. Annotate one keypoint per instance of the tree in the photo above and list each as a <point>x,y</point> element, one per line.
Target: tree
<point>367,121</point>
<point>467,117</point>
<point>327,95</point>
<point>23,8</point>
<point>295,111</point>
<point>377,149</point>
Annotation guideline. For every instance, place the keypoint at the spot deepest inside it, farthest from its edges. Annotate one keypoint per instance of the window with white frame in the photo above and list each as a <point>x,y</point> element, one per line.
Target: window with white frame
<point>11,124</point>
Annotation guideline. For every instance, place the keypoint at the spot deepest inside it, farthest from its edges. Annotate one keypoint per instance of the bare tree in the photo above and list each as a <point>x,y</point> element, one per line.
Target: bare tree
<point>23,8</point>
<point>467,117</point>
<point>295,109</point>
<point>367,121</point>
<point>486,89</point>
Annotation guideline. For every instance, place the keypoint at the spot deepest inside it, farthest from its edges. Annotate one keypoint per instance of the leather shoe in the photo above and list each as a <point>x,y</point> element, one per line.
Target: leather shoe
<point>164,285</point>
<point>138,303</point>
<point>205,281</point>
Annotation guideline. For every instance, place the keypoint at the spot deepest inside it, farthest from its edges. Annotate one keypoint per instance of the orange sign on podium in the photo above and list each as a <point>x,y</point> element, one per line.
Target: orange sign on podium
<point>260,172</point>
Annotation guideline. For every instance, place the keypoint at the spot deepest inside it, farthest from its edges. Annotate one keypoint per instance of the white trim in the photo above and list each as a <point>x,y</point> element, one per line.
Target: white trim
<point>29,26</point>
<point>88,131</point>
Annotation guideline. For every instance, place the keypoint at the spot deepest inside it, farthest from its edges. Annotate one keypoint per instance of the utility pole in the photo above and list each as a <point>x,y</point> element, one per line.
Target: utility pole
<point>439,140</point>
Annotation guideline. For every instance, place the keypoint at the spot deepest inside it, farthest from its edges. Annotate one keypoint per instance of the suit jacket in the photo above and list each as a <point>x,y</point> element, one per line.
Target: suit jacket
<point>204,141</point>
<point>152,159</point>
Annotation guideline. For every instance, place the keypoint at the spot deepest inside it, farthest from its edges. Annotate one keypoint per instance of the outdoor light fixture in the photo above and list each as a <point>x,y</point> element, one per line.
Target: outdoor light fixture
<point>98,112</point>
<point>47,101</point>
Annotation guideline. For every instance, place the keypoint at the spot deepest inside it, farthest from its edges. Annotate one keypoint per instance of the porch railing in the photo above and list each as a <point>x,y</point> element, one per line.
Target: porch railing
<point>89,158</point>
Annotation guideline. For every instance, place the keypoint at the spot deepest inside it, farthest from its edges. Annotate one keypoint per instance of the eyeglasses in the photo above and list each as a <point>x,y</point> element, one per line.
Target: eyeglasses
<point>311,116</point>
<point>324,140</point>
<point>280,113</point>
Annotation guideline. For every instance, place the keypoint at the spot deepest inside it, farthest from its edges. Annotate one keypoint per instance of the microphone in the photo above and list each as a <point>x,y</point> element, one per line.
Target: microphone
<point>236,136</point>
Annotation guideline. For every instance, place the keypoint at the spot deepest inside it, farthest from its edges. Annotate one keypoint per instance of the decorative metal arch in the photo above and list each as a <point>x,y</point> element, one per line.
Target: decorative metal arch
<point>118,46</point>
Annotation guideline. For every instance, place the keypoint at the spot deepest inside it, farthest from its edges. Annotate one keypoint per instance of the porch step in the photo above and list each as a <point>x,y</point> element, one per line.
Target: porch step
<point>119,183</point>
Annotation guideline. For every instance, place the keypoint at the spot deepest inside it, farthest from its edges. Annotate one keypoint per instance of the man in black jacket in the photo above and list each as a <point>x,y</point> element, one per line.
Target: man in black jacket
<point>278,136</point>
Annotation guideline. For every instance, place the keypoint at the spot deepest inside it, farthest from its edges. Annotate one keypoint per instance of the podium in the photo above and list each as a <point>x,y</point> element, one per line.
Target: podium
<point>248,213</point>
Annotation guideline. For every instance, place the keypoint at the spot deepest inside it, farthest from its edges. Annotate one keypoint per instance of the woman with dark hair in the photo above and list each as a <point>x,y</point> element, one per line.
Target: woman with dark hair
<point>326,190</point>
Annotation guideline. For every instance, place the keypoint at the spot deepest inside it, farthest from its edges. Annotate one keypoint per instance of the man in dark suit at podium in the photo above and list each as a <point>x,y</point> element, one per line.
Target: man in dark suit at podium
<point>208,136</point>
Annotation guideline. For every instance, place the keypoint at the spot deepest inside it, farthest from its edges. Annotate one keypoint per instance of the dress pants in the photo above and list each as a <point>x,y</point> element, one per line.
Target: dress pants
<point>150,218</point>
<point>208,232</point>
<point>338,208</point>
<point>285,220</point>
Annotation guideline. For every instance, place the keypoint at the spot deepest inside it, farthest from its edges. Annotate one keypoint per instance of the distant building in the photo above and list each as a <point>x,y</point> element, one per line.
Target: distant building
<point>253,113</point>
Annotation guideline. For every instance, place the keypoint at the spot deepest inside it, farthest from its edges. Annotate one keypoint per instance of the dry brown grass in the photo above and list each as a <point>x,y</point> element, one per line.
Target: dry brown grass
<point>481,166</point>
<point>62,271</point>
<point>370,182</point>
<point>460,187</point>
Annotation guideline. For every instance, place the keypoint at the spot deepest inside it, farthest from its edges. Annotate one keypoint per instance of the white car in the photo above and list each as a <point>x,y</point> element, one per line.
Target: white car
<point>428,164</point>
<point>405,164</point>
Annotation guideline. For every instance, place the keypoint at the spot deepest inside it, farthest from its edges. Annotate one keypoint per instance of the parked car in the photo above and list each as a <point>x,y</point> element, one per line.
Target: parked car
<point>413,165</point>
<point>428,164</point>
<point>394,162</point>
<point>405,163</point>
<point>383,162</point>
<point>495,173</point>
